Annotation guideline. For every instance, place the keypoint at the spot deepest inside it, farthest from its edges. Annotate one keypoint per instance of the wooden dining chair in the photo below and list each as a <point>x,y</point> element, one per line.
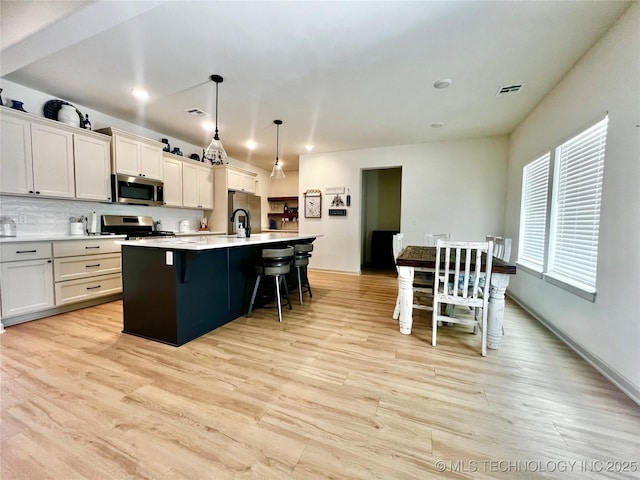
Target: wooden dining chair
<point>457,283</point>
<point>423,279</point>
<point>397,245</point>
<point>501,247</point>
<point>421,292</point>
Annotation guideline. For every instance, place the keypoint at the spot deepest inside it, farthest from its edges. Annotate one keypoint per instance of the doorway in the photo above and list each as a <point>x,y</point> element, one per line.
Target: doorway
<point>381,206</point>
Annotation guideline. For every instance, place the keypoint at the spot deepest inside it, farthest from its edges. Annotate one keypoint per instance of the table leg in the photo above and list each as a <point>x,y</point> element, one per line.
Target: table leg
<point>495,310</point>
<point>405,284</point>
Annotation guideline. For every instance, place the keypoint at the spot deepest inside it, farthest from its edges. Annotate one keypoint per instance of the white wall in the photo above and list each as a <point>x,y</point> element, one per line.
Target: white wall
<point>607,78</point>
<point>456,187</point>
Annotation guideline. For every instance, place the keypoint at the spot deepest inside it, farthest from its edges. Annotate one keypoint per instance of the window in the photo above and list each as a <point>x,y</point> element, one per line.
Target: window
<point>533,215</point>
<point>575,218</point>
<point>569,257</point>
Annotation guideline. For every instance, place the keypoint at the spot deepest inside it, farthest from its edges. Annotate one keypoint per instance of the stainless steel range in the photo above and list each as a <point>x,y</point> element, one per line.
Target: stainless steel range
<point>134,227</point>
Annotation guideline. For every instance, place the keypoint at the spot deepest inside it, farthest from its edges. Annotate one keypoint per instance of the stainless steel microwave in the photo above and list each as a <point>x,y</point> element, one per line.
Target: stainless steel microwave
<point>137,190</point>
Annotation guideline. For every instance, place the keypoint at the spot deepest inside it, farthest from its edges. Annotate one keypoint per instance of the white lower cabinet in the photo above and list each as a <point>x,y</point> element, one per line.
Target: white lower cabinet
<point>26,287</point>
<point>72,291</point>
<point>86,269</point>
<point>26,280</point>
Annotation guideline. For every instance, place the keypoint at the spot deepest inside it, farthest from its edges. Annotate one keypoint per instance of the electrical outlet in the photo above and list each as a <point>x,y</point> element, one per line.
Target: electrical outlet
<point>22,219</point>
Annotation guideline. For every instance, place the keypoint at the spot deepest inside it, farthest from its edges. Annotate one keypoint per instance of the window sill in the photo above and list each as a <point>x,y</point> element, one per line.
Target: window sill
<point>580,292</point>
<point>529,270</point>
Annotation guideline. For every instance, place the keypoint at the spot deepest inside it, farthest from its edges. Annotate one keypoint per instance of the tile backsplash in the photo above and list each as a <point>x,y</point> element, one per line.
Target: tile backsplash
<point>50,217</point>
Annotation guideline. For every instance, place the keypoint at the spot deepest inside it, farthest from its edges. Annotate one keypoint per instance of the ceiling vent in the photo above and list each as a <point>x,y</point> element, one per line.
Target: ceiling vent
<point>195,111</point>
<point>508,90</point>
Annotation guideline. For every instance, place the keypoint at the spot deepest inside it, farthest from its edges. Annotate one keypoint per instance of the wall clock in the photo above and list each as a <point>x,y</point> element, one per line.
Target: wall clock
<point>312,204</point>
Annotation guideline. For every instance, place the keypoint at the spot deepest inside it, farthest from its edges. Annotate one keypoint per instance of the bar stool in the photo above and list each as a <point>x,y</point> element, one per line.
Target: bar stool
<point>300,261</point>
<point>276,263</point>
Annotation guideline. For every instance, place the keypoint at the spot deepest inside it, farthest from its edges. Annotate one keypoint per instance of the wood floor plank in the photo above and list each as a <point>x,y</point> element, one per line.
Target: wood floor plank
<point>334,391</point>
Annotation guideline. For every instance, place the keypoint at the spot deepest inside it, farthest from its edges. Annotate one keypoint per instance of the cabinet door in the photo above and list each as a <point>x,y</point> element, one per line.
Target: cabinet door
<point>151,162</point>
<point>52,151</point>
<point>190,197</point>
<point>248,184</point>
<point>205,188</point>
<point>15,155</point>
<point>93,168</point>
<point>127,156</point>
<point>172,182</point>
<point>234,180</point>
<point>26,286</point>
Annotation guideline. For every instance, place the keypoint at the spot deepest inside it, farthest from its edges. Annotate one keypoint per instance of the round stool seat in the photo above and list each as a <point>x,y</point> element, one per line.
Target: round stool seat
<point>303,248</point>
<point>274,269</point>
<point>300,261</point>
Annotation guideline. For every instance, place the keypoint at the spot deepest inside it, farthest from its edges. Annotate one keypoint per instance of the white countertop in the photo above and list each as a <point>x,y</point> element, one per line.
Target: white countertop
<point>55,238</point>
<point>198,232</point>
<point>208,242</point>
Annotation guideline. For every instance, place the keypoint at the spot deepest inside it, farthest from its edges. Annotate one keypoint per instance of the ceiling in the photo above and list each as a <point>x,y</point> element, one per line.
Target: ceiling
<point>341,75</point>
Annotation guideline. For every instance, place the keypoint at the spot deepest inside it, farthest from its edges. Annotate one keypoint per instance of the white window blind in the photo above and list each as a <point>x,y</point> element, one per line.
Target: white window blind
<point>576,207</point>
<point>533,214</point>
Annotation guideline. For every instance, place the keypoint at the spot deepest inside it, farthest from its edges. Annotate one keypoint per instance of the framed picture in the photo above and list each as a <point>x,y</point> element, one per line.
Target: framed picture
<point>312,204</point>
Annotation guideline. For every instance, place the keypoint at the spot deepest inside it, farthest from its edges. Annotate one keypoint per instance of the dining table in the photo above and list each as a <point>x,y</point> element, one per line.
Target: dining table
<point>424,257</point>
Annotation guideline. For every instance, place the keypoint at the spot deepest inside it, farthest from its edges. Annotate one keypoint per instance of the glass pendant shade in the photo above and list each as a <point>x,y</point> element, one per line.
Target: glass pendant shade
<point>277,173</point>
<point>215,152</point>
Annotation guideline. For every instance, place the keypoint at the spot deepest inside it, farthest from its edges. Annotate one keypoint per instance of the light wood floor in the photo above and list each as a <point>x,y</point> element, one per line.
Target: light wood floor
<point>335,391</point>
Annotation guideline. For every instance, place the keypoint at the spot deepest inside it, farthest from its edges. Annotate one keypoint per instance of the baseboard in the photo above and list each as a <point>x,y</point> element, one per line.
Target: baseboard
<point>631,390</point>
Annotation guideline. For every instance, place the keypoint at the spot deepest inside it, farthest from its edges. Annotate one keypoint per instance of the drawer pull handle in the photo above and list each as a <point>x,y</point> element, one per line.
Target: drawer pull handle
<point>93,288</point>
<point>90,266</point>
<point>26,251</point>
<point>88,248</point>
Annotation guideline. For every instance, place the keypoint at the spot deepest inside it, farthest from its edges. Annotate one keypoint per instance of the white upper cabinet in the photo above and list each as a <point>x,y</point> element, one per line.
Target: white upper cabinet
<point>52,150</point>
<point>172,181</point>
<point>16,165</point>
<point>197,186</point>
<point>134,155</point>
<point>240,180</point>
<point>93,167</point>
<point>50,159</point>
<point>151,163</point>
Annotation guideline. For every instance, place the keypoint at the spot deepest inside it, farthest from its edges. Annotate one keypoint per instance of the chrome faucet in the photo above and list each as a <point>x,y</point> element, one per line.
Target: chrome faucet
<point>247,227</point>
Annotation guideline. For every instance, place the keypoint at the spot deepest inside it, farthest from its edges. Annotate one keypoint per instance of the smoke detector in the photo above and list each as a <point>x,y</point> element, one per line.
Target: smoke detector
<point>508,90</point>
<point>195,111</point>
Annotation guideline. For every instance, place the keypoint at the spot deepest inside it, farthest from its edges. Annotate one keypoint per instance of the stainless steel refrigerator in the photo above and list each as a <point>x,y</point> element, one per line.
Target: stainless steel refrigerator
<point>251,203</point>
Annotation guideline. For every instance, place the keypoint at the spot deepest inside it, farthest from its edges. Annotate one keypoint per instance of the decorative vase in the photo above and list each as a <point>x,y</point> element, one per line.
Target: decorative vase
<point>16,105</point>
<point>67,114</point>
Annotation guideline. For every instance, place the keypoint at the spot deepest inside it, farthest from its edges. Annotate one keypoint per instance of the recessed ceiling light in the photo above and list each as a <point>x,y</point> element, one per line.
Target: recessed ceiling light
<point>444,83</point>
<point>251,145</point>
<point>208,126</point>
<point>140,93</point>
<point>437,125</point>
<point>308,147</point>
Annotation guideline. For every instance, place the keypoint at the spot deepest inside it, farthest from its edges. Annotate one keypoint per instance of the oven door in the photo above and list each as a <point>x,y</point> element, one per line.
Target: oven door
<point>137,190</point>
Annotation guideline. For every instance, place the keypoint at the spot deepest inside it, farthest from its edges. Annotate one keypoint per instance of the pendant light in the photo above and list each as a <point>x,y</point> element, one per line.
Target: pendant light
<point>277,173</point>
<point>215,152</point>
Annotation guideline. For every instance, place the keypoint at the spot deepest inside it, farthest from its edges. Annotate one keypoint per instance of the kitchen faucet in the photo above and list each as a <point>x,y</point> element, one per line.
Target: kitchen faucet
<point>247,227</point>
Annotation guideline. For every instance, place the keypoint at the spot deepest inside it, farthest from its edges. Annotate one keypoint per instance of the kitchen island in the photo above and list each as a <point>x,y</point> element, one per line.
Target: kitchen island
<point>177,289</point>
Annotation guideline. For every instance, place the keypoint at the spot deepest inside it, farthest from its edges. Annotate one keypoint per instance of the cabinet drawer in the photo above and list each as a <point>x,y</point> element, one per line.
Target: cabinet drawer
<point>73,291</point>
<point>71,268</point>
<point>74,248</point>
<point>11,252</point>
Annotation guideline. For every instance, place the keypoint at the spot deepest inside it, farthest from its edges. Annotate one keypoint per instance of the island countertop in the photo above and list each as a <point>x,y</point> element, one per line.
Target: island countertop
<point>209,242</point>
